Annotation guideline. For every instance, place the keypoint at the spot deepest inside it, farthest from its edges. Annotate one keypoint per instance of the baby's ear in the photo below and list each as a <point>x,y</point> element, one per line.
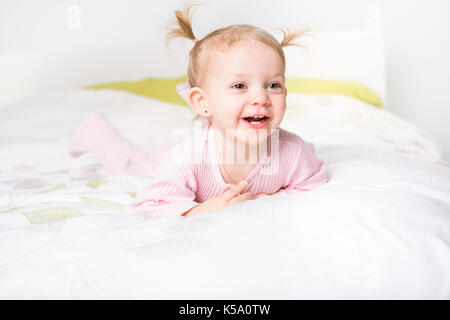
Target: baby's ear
<point>197,99</point>
<point>195,95</point>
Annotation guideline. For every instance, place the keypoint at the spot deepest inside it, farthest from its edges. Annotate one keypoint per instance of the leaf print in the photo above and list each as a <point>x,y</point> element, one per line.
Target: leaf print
<point>132,194</point>
<point>59,186</point>
<point>103,203</point>
<point>94,184</point>
<point>50,214</point>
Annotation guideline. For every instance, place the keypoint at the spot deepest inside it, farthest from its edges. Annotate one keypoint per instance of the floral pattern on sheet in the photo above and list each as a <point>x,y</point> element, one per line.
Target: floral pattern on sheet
<point>87,194</point>
<point>39,197</point>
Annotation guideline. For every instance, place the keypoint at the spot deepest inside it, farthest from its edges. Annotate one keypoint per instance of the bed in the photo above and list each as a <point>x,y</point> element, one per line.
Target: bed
<point>379,229</point>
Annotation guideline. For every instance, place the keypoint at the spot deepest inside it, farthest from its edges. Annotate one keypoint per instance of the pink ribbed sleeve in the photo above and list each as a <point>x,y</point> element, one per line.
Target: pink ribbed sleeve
<point>171,193</point>
<point>306,170</point>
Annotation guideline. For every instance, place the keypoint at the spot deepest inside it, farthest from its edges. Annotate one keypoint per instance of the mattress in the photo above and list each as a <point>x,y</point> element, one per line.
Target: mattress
<point>379,229</point>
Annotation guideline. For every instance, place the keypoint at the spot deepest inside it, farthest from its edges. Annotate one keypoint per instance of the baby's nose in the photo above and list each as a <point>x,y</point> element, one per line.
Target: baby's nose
<point>259,97</point>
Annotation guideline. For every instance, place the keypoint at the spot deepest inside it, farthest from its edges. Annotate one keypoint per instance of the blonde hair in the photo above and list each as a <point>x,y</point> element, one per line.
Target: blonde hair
<point>222,40</point>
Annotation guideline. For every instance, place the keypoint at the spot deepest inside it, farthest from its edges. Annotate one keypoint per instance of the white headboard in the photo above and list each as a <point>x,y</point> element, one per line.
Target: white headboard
<point>332,54</point>
<point>355,54</point>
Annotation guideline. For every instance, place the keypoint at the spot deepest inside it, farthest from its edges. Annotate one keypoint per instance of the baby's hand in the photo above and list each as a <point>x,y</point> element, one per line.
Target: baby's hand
<point>228,198</point>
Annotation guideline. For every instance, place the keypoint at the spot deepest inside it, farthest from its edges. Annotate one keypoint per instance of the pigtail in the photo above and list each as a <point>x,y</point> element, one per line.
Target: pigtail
<point>182,27</point>
<point>290,37</point>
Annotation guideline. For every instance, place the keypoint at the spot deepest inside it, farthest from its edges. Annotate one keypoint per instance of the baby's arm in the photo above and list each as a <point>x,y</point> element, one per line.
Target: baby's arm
<point>175,196</point>
<point>308,173</point>
<point>171,193</point>
<point>228,198</point>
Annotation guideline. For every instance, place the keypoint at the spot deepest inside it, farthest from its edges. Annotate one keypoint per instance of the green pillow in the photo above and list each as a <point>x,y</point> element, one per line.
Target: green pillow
<point>164,89</point>
<point>340,87</point>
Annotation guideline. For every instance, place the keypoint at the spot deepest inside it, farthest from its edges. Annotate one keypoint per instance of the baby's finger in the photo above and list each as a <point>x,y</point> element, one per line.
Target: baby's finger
<point>235,190</point>
<point>240,198</point>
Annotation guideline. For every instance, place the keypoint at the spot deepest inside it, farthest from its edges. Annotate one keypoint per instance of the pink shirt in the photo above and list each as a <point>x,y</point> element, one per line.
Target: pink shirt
<point>189,174</point>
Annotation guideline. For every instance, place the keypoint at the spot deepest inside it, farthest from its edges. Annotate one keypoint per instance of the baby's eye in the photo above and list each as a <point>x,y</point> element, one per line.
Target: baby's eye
<point>274,85</point>
<point>239,86</point>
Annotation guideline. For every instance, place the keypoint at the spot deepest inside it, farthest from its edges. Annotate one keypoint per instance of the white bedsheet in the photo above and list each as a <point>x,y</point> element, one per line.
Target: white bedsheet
<point>378,229</point>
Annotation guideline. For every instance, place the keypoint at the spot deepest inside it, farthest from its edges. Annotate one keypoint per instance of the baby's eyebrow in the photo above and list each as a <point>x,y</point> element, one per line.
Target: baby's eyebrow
<point>277,75</point>
<point>239,75</point>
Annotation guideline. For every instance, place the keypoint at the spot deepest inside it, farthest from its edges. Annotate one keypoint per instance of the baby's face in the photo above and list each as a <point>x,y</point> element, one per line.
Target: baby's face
<point>246,81</point>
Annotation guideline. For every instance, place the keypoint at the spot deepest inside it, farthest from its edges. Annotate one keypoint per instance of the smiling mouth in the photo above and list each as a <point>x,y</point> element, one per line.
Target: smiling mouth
<point>256,120</point>
<point>259,122</point>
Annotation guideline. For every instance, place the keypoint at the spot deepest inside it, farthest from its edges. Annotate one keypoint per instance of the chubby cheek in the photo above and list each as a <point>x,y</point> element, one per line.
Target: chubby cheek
<point>234,116</point>
<point>227,118</point>
<point>282,112</point>
<point>278,112</point>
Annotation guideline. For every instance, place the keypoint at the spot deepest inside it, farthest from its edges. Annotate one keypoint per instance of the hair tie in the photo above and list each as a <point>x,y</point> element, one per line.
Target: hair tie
<point>195,40</point>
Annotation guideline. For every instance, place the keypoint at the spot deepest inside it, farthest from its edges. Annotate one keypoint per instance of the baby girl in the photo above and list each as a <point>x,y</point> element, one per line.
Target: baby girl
<point>236,85</point>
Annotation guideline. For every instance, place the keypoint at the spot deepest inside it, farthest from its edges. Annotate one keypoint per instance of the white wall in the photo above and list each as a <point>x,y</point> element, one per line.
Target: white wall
<point>416,34</point>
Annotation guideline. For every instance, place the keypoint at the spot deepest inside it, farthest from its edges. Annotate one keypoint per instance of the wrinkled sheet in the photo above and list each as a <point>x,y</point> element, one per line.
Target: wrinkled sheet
<point>379,229</point>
